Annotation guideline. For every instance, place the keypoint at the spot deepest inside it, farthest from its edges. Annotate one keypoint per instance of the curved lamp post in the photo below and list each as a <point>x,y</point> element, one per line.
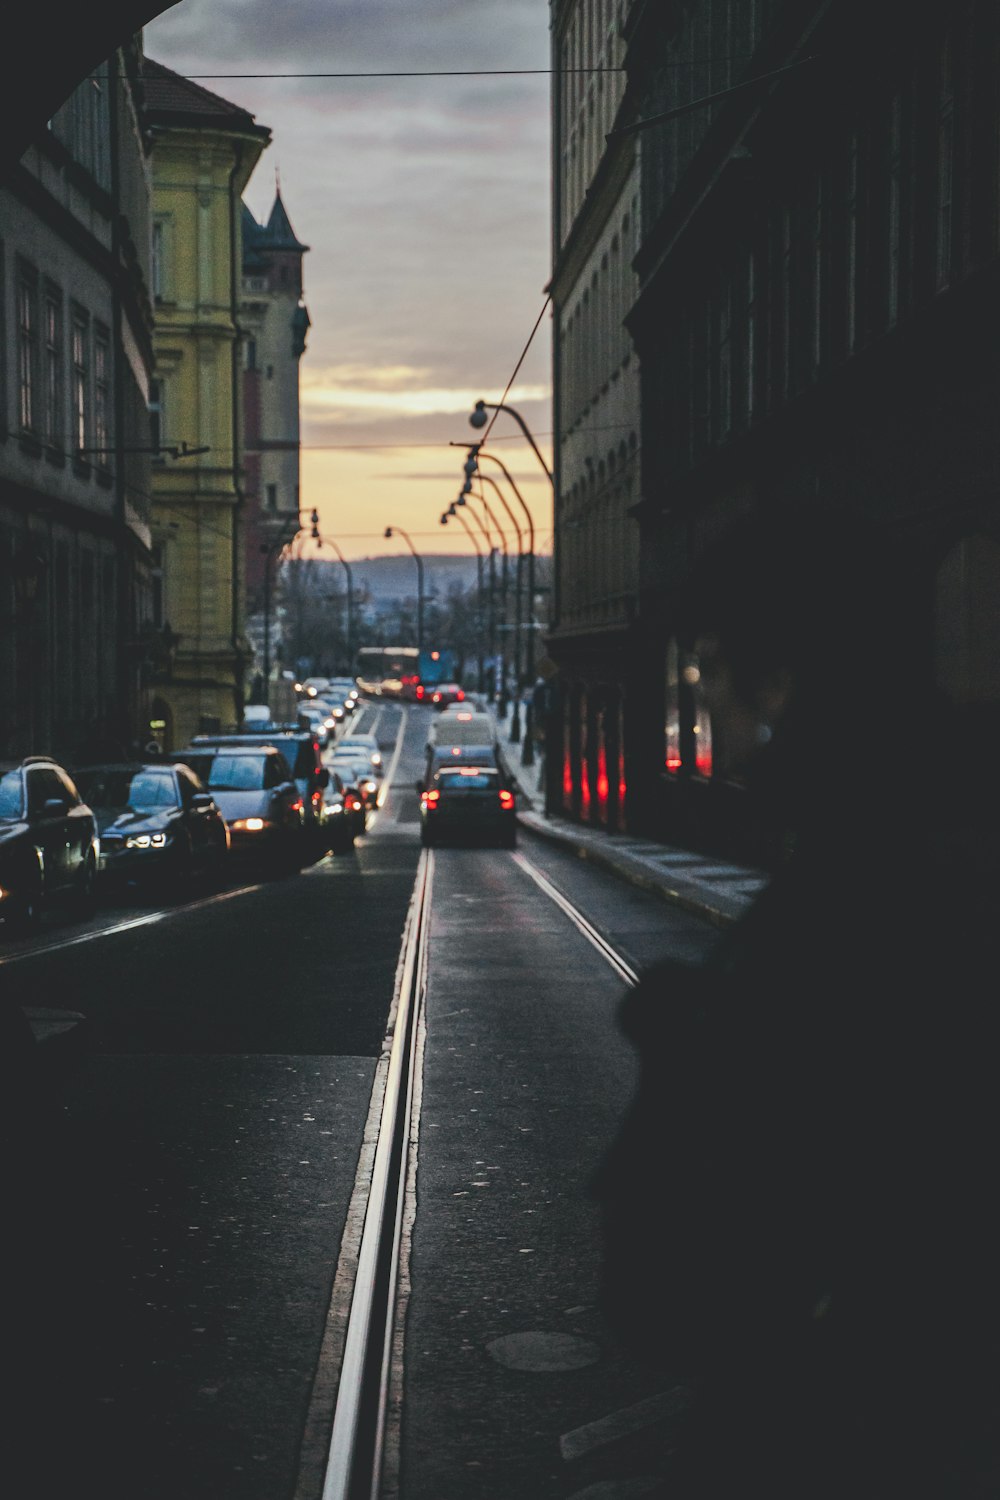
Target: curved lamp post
<point>515,722</point>
<point>453,511</point>
<point>273,550</point>
<point>465,491</point>
<point>391,531</point>
<point>479,418</point>
<point>475,457</point>
<point>319,540</point>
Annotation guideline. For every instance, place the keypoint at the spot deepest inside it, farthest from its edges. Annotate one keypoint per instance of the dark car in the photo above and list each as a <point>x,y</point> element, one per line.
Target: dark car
<point>158,825</point>
<point>48,841</point>
<point>301,748</point>
<point>468,804</point>
<point>345,814</point>
<point>441,694</point>
<point>253,788</point>
<point>354,767</point>
<point>445,754</point>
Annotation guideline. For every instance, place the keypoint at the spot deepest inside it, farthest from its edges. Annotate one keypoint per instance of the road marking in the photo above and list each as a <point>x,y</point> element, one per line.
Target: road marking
<point>146,920</point>
<point>619,1424</point>
<point>590,932</point>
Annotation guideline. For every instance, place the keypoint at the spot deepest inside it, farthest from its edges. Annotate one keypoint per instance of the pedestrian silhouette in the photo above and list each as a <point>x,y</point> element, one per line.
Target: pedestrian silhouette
<point>798,1208</point>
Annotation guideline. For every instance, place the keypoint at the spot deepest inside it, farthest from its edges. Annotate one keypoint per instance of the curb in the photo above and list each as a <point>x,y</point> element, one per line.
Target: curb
<point>698,896</point>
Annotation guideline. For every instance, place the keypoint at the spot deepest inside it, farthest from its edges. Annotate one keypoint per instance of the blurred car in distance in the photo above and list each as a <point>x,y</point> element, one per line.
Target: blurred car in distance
<point>345,814</point>
<point>365,745</point>
<point>356,769</point>
<point>468,803</point>
<point>48,842</point>
<point>253,788</point>
<point>157,824</point>
<point>441,694</point>
<point>446,754</point>
<point>312,687</point>
<point>346,773</point>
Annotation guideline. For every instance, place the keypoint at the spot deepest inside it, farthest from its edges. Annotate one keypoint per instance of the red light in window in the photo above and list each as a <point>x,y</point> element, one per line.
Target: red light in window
<point>703,761</point>
<point>602,776</point>
<point>673,761</point>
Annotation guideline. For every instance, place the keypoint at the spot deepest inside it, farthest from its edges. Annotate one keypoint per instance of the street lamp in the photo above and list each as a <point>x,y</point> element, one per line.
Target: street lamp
<point>453,511</point>
<point>505,568</point>
<point>271,550</point>
<point>475,456</point>
<point>515,722</point>
<point>478,418</point>
<point>390,531</point>
<point>319,540</point>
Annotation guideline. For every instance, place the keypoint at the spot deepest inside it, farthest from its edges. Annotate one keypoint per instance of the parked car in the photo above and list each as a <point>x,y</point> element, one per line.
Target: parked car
<point>468,804</point>
<point>254,789</point>
<point>48,842</point>
<point>301,748</point>
<point>157,824</point>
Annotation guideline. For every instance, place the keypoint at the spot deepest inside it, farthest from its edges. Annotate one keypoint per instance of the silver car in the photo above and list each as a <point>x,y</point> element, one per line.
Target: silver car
<point>253,788</point>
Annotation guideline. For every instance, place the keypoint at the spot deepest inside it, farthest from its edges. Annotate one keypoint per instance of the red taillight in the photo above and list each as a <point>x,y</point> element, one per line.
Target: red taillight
<point>352,804</point>
<point>317,798</point>
<point>297,806</point>
<point>431,798</point>
<point>460,696</point>
<point>506,799</point>
<point>420,691</point>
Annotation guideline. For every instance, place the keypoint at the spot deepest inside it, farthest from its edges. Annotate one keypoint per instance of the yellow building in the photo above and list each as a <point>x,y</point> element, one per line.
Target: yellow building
<point>204,151</point>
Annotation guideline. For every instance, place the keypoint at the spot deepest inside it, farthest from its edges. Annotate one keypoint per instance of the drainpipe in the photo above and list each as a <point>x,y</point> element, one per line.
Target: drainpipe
<point>236,272</point>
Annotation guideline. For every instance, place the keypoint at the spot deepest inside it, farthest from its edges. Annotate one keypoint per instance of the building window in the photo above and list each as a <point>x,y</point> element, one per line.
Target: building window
<point>271,493</point>
<point>53,360</point>
<point>102,395</point>
<point>157,269</point>
<point>157,424</point>
<point>251,354</point>
<point>81,377</point>
<point>27,346</point>
<point>157,580</point>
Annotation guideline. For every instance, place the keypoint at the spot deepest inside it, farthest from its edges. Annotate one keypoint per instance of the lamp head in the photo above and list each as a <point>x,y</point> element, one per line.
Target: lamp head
<point>478,417</point>
<point>444,519</point>
<point>388,531</point>
<point>466,488</point>
<point>459,501</point>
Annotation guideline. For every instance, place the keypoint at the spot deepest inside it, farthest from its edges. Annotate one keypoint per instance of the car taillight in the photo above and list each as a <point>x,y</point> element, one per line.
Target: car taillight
<point>297,806</point>
<point>506,799</point>
<point>352,804</point>
<point>420,692</point>
<point>431,798</point>
<point>460,696</point>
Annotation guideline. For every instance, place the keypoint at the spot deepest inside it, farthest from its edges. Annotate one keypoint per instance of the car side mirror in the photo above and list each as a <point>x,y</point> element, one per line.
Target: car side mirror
<point>202,799</point>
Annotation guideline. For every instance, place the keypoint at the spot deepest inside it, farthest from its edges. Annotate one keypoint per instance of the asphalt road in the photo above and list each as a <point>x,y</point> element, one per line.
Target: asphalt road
<point>180,1189</point>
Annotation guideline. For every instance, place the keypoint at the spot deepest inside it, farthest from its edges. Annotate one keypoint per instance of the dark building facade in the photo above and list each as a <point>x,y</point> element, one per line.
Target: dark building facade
<point>77,645</point>
<point>816,329</point>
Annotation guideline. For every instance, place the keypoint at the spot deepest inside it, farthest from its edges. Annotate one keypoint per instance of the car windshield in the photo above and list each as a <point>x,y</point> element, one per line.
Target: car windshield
<point>141,791</point>
<point>10,795</point>
<point>237,773</point>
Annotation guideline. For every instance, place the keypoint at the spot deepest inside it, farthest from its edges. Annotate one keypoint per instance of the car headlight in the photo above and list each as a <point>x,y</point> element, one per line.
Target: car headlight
<point>329,723</point>
<point>147,841</point>
<point>376,759</point>
<point>370,786</point>
<point>249,825</point>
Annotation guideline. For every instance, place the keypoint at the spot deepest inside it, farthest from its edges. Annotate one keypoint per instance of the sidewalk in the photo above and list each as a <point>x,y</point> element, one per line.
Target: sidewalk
<point>710,887</point>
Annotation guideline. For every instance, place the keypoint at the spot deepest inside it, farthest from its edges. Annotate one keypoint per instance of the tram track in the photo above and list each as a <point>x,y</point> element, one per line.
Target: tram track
<point>360,1336</point>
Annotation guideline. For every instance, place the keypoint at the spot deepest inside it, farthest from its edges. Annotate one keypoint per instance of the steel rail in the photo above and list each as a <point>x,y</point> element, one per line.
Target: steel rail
<point>354,1460</point>
<point>589,931</point>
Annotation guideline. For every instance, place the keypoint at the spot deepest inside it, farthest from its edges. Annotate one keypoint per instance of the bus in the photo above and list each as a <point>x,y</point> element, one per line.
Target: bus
<point>398,671</point>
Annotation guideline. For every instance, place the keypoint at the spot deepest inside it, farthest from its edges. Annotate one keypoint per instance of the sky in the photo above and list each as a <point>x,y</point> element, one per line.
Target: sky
<point>425,204</point>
